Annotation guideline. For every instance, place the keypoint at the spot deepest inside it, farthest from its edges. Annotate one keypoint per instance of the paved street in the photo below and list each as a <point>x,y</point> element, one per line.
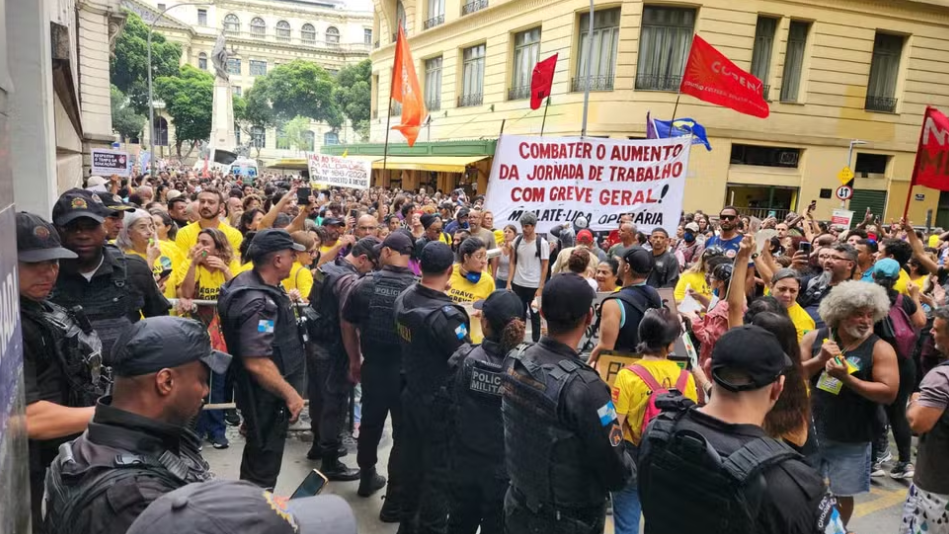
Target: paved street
<point>876,513</point>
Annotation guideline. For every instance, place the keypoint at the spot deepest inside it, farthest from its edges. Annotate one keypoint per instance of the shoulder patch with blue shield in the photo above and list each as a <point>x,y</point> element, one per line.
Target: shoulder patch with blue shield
<point>265,326</point>
<point>461,331</point>
<point>607,413</point>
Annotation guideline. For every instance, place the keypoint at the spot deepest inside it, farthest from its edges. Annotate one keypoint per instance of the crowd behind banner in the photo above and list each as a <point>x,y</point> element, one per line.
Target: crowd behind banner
<point>859,312</point>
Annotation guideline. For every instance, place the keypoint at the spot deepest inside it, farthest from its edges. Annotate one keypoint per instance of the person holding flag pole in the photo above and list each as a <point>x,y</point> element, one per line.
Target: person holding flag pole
<point>932,155</point>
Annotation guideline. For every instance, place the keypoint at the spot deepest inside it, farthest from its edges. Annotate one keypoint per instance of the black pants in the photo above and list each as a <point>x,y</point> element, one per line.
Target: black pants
<point>518,519</point>
<point>424,464</point>
<point>314,391</point>
<point>527,294</point>
<point>896,412</point>
<point>478,486</point>
<point>335,389</point>
<point>266,436</point>
<point>381,395</point>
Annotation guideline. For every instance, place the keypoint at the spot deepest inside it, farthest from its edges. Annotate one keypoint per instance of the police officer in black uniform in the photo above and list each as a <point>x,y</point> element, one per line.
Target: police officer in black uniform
<point>113,289</point>
<point>431,328</point>
<point>717,461</point>
<point>368,327</point>
<point>563,443</point>
<point>62,356</point>
<point>261,332</point>
<point>138,445</point>
<point>479,476</point>
<point>328,298</point>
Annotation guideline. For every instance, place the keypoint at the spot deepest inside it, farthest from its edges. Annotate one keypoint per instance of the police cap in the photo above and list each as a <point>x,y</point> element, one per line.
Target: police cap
<point>37,240</point>
<point>566,299</point>
<point>78,203</point>
<point>751,351</point>
<point>271,240</point>
<point>157,343</point>
<point>436,258</point>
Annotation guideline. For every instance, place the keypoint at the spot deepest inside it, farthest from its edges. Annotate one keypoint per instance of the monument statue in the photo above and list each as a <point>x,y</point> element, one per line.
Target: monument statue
<point>222,116</point>
<point>219,58</point>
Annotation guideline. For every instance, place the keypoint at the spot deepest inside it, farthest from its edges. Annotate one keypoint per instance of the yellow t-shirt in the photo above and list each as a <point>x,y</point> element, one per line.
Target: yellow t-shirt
<point>208,282</point>
<point>803,322</point>
<point>630,393</point>
<point>934,241</point>
<point>900,285</point>
<point>499,237</point>
<point>462,291</point>
<point>170,258</point>
<point>300,278</point>
<point>188,237</point>
<point>696,280</point>
<point>249,266</point>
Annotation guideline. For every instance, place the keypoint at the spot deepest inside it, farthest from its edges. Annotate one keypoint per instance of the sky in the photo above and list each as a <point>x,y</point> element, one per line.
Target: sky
<point>365,5</point>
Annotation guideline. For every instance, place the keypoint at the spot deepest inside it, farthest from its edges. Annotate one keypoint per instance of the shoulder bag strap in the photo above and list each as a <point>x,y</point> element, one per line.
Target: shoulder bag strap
<point>645,376</point>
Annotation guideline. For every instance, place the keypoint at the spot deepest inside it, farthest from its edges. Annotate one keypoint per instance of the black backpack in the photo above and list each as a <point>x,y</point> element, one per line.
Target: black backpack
<point>594,329</point>
<point>679,465</point>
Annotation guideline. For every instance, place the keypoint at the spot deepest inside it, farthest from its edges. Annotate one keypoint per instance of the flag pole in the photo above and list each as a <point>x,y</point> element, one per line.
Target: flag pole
<point>675,108</point>
<point>544,122</point>
<point>385,148</point>
<point>501,133</point>
<point>909,191</point>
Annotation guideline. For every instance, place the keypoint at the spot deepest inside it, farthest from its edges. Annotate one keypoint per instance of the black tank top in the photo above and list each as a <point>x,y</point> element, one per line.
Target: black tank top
<point>845,417</point>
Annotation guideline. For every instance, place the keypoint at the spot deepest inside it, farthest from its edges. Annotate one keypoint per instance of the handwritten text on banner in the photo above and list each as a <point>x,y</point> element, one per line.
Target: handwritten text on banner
<point>335,171</point>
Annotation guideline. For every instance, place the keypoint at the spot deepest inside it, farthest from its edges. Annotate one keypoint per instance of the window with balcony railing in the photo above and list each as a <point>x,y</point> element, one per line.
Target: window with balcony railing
<point>232,24</point>
<point>519,92</point>
<point>472,76</point>
<point>433,83</point>
<point>526,54</point>
<point>664,42</point>
<point>470,100</point>
<point>764,45</point>
<point>436,13</point>
<point>283,31</point>
<point>473,7</point>
<point>884,73</point>
<point>258,28</point>
<point>308,34</point>
<point>604,40</point>
<point>434,21</point>
<point>332,36</point>
<point>880,103</point>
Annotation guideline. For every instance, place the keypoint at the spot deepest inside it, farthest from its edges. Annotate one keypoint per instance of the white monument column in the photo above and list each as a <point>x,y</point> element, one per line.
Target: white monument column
<point>222,108</point>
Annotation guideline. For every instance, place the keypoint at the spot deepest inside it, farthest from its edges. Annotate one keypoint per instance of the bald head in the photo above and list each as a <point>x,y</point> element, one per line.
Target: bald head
<point>366,226</point>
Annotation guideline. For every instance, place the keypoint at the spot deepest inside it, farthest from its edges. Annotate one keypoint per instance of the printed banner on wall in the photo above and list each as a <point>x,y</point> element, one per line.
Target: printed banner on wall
<point>334,171</point>
<point>560,179</point>
<point>108,162</point>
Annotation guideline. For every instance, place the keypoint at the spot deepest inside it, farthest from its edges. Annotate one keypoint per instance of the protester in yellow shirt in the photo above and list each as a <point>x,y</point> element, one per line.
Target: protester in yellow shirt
<point>695,277</point>
<point>469,282</point>
<point>210,206</point>
<point>658,332</point>
<point>211,264</point>
<point>139,237</point>
<point>785,286</point>
<point>300,281</point>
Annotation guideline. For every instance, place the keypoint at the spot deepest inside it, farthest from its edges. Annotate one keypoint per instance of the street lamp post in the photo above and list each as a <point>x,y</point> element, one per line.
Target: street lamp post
<point>151,108</point>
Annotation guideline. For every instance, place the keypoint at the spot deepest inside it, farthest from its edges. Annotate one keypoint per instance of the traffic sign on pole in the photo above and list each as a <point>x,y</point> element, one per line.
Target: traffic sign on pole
<point>844,192</point>
<point>845,175</point>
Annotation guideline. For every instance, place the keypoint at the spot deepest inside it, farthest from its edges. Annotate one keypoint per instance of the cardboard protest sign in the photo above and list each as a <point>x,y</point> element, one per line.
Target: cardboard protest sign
<point>109,162</point>
<point>334,171</point>
<point>842,218</point>
<point>560,179</point>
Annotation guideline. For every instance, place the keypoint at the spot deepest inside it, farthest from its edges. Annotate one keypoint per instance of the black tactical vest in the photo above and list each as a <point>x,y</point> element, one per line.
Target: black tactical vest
<point>477,401</point>
<point>379,335</point>
<point>543,456</point>
<point>288,353</point>
<point>78,351</point>
<point>326,328</point>
<point>106,300</point>
<point>424,363</point>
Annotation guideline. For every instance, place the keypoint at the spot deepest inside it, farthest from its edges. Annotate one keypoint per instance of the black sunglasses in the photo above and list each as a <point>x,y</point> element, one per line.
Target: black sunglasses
<point>728,217</point>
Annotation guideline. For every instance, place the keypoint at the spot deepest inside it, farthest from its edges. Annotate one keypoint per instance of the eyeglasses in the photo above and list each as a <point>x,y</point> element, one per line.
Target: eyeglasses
<point>728,217</point>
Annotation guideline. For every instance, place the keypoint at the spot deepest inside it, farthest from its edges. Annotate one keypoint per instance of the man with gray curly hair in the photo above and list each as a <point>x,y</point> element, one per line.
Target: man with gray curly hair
<point>851,371</point>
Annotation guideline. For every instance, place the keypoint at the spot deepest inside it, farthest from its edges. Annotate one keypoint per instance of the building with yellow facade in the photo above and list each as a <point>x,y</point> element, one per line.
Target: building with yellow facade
<point>834,71</point>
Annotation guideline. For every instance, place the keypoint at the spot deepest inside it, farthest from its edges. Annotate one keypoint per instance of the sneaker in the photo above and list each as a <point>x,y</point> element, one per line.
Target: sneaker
<point>883,457</point>
<point>877,470</point>
<point>219,442</point>
<point>231,417</point>
<point>902,470</point>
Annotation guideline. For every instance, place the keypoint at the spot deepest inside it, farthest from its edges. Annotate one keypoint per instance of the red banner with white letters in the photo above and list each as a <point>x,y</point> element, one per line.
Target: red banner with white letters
<point>932,154</point>
<point>712,77</point>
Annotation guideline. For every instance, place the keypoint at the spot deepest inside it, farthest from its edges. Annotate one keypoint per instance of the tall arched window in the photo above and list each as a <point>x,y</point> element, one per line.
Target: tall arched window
<point>309,141</point>
<point>232,24</point>
<point>258,28</point>
<point>283,31</point>
<point>308,33</point>
<point>203,61</point>
<point>331,138</point>
<point>332,35</point>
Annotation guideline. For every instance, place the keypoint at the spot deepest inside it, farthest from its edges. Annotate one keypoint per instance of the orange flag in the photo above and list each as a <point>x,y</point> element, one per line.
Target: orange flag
<point>406,90</point>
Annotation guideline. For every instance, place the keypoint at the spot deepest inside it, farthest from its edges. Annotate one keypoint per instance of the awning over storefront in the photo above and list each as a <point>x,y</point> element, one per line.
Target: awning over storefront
<point>424,163</point>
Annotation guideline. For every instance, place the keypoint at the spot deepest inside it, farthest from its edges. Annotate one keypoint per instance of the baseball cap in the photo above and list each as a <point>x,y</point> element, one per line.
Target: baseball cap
<point>581,222</point>
<point>157,343</point>
<point>115,202</point>
<point>272,240</point>
<point>692,227</point>
<point>753,351</point>
<point>397,241</point>
<point>236,506</point>
<point>436,257</point>
<point>333,221</point>
<point>93,181</point>
<point>566,298</point>
<point>75,204</point>
<point>500,308</point>
<point>640,260</point>
<point>886,268</point>
<point>528,218</point>
<point>37,240</point>
<point>463,212</point>
<point>585,236</point>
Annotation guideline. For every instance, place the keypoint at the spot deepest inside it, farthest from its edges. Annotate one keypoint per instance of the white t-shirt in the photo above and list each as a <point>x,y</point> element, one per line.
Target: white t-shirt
<point>527,270</point>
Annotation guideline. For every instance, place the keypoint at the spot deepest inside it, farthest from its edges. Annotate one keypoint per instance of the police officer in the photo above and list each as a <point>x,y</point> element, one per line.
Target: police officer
<point>480,478</point>
<point>261,332</point>
<point>113,289</point>
<point>368,327</point>
<point>328,300</point>
<point>62,362</point>
<point>564,446</point>
<point>431,328</point>
<point>138,445</point>
<point>719,460</point>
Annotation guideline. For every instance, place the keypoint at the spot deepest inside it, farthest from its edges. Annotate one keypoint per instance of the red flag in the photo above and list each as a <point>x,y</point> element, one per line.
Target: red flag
<point>712,77</point>
<point>406,90</point>
<point>542,79</point>
<point>932,154</point>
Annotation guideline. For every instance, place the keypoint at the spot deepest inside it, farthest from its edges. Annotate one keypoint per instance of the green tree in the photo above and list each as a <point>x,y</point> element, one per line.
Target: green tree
<point>125,121</point>
<point>295,131</point>
<point>129,65</point>
<point>188,98</point>
<point>253,110</point>
<point>354,95</point>
<point>302,88</point>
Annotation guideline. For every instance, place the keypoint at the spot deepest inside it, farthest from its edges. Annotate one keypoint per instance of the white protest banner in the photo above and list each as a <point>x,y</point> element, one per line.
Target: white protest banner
<point>842,218</point>
<point>560,179</point>
<point>109,162</point>
<point>335,171</point>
